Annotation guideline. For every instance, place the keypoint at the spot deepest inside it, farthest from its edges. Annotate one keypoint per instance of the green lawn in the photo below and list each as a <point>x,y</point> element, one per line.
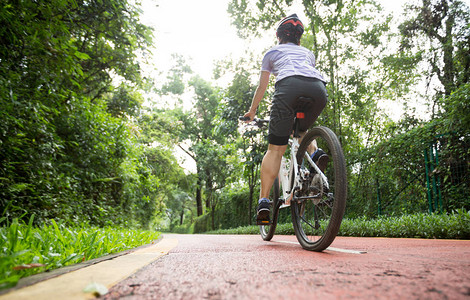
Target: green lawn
<point>27,250</point>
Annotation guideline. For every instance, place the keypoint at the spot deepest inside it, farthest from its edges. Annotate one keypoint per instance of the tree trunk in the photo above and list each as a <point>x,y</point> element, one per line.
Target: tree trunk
<point>213,217</point>
<point>449,56</point>
<point>250,209</point>
<point>198,197</point>
<point>209,187</point>
<point>182,216</point>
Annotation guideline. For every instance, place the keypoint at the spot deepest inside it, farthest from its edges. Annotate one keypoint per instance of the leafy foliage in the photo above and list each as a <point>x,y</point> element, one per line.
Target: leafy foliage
<point>393,170</point>
<point>68,145</point>
<point>440,29</point>
<point>28,249</point>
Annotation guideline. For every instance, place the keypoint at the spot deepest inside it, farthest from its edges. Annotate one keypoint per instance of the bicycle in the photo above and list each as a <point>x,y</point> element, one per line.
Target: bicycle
<point>317,199</point>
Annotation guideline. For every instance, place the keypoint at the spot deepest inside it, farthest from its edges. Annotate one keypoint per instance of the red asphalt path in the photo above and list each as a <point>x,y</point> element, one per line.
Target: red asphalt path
<point>246,267</point>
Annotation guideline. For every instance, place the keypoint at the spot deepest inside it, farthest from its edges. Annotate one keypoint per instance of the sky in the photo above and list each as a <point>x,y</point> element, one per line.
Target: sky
<point>197,29</point>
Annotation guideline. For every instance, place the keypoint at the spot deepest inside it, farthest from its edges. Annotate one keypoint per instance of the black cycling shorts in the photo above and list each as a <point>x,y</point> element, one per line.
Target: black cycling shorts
<point>286,103</point>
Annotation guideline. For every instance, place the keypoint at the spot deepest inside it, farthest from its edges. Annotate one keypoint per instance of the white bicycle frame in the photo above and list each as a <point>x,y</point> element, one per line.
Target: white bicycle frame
<point>285,173</point>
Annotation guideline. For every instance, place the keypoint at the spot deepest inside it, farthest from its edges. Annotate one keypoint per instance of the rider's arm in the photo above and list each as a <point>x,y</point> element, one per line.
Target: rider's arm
<point>260,90</point>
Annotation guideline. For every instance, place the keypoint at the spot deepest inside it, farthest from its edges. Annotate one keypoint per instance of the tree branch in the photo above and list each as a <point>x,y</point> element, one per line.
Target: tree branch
<point>187,152</point>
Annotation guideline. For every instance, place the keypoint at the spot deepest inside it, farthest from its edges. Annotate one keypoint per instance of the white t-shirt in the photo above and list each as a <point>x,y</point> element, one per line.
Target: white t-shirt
<point>286,60</point>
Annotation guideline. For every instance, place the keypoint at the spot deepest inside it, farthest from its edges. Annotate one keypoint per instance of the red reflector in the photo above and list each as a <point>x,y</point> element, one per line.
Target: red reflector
<point>300,115</point>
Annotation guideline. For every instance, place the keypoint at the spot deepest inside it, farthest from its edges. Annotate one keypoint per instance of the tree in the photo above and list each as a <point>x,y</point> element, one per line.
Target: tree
<point>236,102</point>
<point>64,131</point>
<point>439,29</point>
<point>207,146</point>
<point>159,131</point>
<point>442,25</point>
<point>175,79</point>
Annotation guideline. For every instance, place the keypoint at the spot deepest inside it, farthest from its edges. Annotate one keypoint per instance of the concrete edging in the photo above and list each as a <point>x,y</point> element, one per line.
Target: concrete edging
<point>69,282</point>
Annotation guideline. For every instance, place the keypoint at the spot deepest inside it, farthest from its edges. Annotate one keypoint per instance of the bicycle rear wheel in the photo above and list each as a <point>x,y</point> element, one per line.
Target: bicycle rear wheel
<point>317,209</point>
<point>267,231</point>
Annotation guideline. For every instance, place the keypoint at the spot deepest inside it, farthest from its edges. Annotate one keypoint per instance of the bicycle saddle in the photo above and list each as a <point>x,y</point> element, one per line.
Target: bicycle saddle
<point>302,104</point>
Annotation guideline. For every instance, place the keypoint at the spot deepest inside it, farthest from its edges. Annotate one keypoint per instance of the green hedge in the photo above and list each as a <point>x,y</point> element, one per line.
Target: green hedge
<point>442,226</point>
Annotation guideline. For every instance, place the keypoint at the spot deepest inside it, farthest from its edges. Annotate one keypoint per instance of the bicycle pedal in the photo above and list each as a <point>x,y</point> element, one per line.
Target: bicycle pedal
<point>263,222</point>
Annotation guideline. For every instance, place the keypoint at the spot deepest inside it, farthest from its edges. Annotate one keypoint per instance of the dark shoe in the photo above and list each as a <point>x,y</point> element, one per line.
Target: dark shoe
<point>321,159</point>
<point>263,211</point>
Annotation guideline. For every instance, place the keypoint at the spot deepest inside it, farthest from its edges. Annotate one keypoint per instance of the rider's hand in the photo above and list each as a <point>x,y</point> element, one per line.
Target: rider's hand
<point>250,116</point>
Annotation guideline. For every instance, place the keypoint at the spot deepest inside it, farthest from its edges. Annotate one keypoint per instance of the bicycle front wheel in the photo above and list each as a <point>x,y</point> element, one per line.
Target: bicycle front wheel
<point>267,231</point>
<point>318,208</point>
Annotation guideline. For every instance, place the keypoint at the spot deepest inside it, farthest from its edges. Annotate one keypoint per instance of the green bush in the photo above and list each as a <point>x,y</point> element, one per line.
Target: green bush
<point>183,229</point>
<point>233,209</point>
<point>203,223</point>
<point>442,226</point>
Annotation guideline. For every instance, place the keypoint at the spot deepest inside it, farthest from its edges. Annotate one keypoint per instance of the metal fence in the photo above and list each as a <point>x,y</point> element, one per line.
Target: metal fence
<point>409,176</point>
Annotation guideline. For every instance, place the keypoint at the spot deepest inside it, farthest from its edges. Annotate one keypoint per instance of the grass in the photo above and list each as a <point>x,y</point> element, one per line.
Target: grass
<point>442,226</point>
<point>28,250</point>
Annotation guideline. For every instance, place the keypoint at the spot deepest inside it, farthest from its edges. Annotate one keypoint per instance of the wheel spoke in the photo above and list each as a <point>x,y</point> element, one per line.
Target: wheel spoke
<point>305,221</point>
<point>324,209</point>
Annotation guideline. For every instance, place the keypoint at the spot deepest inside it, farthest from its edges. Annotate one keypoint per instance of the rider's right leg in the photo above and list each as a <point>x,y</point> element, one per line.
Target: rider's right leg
<point>269,170</point>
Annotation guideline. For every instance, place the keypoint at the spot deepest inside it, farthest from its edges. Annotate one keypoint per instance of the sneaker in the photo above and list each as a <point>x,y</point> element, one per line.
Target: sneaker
<point>263,210</point>
<point>321,159</point>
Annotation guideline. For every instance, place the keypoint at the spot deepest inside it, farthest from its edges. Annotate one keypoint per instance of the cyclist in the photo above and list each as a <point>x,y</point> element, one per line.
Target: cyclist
<point>296,76</point>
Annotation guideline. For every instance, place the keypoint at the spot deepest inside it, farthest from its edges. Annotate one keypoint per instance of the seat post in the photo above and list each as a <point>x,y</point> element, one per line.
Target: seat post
<point>298,116</point>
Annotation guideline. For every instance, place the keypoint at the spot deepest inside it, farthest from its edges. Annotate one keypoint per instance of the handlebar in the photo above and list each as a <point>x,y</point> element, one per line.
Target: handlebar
<point>255,121</point>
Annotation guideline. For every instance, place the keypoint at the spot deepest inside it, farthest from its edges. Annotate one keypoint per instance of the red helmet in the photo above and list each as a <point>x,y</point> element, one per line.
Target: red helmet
<point>290,28</point>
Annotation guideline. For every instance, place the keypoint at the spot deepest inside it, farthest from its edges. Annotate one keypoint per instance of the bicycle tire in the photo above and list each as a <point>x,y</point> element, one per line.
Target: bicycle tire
<point>327,210</point>
<point>267,231</point>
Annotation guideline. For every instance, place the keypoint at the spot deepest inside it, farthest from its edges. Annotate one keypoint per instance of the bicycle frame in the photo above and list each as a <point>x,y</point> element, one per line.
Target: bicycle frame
<point>286,172</point>
<point>288,169</point>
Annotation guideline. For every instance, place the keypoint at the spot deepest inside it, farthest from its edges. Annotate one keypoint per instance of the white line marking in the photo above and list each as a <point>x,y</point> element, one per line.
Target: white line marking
<point>346,250</point>
<point>330,248</point>
<point>286,242</point>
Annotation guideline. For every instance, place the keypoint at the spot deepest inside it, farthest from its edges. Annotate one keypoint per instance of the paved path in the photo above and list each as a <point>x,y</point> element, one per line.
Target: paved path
<point>246,267</point>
